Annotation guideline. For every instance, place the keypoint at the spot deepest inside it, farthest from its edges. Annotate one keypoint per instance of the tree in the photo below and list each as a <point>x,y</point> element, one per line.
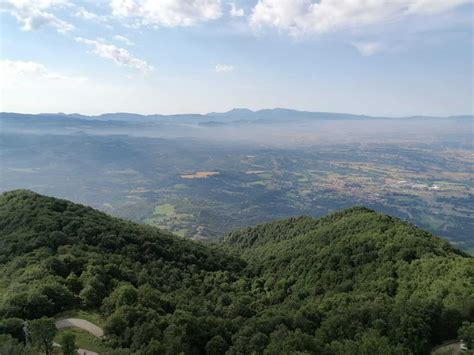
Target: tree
<point>369,343</point>
<point>73,283</point>
<point>217,345</point>
<point>123,295</point>
<point>42,333</point>
<point>93,291</point>
<point>154,347</point>
<point>174,340</point>
<point>13,327</point>
<point>466,333</point>
<point>11,346</point>
<point>258,342</point>
<point>68,344</point>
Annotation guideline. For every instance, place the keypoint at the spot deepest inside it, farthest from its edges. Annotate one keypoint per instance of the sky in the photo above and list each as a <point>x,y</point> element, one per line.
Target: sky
<point>375,57</point>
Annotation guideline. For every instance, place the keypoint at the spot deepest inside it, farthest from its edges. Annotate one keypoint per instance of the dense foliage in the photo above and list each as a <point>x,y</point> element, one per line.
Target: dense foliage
<point>353,282</point>
<point>68,344</point>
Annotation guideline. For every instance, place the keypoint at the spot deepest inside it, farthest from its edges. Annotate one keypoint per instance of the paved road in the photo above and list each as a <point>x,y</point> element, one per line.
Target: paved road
<point>452,348</point>
<point>80,323</point>
<point>86,352</point>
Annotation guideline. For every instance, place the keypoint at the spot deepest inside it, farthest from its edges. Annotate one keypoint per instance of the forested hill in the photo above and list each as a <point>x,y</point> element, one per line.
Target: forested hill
<point>390,237</point>
<point>354,282</point>
<point>30,222</point>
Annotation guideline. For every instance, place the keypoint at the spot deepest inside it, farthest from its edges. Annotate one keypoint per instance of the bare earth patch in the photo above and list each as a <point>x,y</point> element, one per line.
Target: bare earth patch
<point>255,172</point>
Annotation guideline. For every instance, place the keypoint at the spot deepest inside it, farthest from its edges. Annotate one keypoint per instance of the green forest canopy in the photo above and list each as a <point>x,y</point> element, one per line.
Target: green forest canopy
<point>353,282</point>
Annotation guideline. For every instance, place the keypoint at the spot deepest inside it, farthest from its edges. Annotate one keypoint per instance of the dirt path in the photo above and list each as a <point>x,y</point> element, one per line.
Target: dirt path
<point>80,323</point>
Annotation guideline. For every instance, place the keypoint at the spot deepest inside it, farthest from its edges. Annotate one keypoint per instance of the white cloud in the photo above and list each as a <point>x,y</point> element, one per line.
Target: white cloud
<point>167,13</point>
<point>124,40</point>
<point>300,17</point>
<point>434,6</point>
<point>368,48</point>
<point>120,56</point>
<point>235,12</point>
<point>11,71</point>
<point>87,15</point>
<point>223,68</point>
<point>33,14</point>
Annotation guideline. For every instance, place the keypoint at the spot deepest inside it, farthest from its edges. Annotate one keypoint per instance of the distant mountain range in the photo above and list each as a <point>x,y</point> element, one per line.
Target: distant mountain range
<point>241,115</point>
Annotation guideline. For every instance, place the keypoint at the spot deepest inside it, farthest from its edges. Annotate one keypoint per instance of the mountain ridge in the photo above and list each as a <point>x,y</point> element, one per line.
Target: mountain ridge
<point>233,114</point>
<point>353,280</point>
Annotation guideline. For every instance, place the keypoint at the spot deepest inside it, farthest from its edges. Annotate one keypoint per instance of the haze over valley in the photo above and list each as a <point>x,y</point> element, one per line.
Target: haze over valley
<point>203,175</point>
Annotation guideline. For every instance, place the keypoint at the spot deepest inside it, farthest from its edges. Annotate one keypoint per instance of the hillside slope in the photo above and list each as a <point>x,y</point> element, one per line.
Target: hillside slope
<point>353,282</point>
<point>359,270</point>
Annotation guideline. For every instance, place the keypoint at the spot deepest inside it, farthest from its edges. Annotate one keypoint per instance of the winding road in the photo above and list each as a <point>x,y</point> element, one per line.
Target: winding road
<point>84,325</point>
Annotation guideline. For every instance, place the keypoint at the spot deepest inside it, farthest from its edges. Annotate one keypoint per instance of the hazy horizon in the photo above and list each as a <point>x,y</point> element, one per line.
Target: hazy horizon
<point>384,58</point>
<point>204,113</point>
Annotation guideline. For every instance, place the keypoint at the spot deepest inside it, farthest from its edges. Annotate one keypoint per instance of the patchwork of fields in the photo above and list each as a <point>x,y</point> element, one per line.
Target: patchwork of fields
<point>201,189</point>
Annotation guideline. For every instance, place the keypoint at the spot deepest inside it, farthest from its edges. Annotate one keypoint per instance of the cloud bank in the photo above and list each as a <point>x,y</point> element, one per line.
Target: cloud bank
<point>12,70</point>
<point>120,56</point>
<point>306,17</point>
<point>167,13</point>
<point>34,14</point>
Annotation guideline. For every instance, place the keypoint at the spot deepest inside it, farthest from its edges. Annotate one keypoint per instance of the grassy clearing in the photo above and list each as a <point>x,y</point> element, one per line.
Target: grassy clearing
<point>84,340</point>
<point>405,199</point>
<point>180,187</point>
<point>431,221</point>
<point>165,209</point>
<point>181,232</point>
<point>262,183</point>
<point>24,170</point>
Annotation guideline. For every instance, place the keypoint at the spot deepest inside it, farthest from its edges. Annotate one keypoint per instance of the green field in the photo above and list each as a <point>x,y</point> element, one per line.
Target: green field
<point>165,209</point>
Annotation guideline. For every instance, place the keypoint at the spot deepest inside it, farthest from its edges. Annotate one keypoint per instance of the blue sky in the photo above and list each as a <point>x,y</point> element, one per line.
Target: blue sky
<point>392,58</point>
